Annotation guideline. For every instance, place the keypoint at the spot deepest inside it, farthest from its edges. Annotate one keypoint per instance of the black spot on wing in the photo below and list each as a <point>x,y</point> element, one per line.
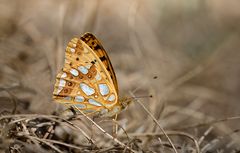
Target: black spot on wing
<point>97,47</point>
<point>83,39</point>
<point>103,58</point>
<point>94,61</point>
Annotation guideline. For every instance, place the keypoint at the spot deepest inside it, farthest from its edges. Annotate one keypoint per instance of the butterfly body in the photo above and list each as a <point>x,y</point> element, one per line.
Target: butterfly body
<point>87,80</point>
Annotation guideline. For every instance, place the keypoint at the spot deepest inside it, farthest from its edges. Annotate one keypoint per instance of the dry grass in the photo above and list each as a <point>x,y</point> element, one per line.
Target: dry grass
<point>186,54</point>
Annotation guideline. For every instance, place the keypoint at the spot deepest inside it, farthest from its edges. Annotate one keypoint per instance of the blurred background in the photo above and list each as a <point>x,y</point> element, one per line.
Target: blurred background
<point>184,53</point>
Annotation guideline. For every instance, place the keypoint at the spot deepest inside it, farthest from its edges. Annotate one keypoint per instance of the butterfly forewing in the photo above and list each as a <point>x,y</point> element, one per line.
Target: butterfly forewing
<point>97,47</point>
<point>85,81</point>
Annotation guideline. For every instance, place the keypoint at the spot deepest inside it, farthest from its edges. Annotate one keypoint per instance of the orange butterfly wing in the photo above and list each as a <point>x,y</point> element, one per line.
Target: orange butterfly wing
<point>96,46</point>
<point>85,81</point>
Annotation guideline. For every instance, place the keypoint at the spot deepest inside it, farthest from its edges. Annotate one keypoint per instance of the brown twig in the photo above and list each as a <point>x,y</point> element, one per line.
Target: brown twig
<point>168,133</point>
<point>103,131</point>
<point>155,120</point>
<point>50,117</point>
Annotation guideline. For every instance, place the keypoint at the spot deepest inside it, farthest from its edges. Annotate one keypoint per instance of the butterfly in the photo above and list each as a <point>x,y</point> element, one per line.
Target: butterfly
<point>87,80</point>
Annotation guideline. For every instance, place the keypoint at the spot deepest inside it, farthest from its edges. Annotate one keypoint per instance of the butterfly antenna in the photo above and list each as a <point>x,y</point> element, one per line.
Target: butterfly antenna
<point>139,97</point>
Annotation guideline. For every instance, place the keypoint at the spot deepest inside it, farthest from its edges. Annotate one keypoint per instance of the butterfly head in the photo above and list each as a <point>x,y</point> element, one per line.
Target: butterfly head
<point>125,101</point>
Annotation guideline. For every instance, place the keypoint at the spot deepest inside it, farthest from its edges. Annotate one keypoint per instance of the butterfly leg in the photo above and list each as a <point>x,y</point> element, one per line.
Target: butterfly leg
<point>115,126</point>
<point>92,127</point>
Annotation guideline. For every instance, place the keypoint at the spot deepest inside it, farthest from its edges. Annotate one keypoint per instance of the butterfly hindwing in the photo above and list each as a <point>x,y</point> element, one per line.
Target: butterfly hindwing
<point>84,81</point>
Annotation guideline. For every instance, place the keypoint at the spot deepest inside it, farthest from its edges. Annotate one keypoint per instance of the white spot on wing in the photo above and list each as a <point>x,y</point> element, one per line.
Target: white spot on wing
<point>94,102</point>
<point>86,89</point>
<point>83,69</point>
<point>72,50</point>
<point>111,97</point>
<point>88,66</point>
<point>98,77</point>
<point>64,75</point>
<point>104,90</point>
<point>81,106</point>
<point>62,83</point>
<point>59,90</point>
<point>74,72</point>
<point>79,99</point>
<point>67,98</point>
